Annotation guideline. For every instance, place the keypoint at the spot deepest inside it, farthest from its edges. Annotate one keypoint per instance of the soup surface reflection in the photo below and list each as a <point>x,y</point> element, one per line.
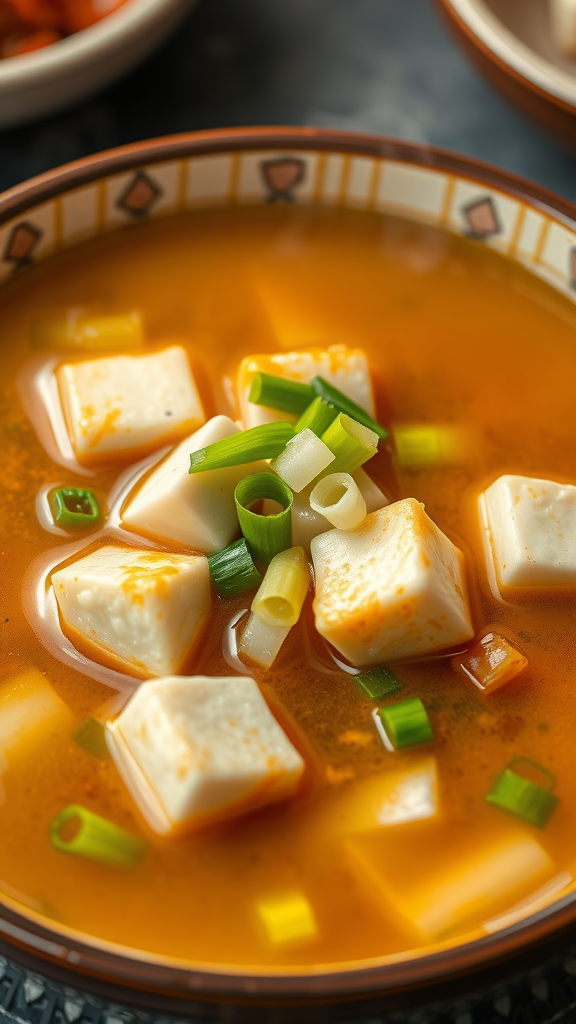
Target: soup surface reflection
<point>455,336</point>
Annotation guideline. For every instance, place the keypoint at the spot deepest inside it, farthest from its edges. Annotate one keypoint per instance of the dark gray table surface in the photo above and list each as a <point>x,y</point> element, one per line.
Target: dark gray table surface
<point>385,66</point>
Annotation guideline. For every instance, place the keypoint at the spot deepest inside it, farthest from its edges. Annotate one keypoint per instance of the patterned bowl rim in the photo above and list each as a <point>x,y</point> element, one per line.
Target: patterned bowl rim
<point>68,950</point>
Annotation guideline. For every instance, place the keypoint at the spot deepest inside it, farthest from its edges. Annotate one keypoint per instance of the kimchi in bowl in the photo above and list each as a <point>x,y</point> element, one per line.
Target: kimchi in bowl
<point>403,818</point>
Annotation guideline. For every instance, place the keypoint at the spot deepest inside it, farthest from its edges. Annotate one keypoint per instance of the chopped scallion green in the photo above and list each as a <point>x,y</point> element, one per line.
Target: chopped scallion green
<point>351,443</point>
<point>344,404</point>
<point>378,682</point>
<point>75,509</point>
<point>407,723</point>
<point>78,831</point>
<point>264,442</point>
<point>232,569</point>
<point>266,536</point>
<point>522,797</point>
<point>317,417</point>
<point>92,738</point>
<point>279,393</point>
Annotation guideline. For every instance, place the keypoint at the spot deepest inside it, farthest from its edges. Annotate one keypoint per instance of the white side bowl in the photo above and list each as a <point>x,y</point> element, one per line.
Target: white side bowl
<point>68,71</point>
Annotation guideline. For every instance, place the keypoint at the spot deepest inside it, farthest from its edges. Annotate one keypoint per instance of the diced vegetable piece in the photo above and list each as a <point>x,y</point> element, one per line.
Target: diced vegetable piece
<point>345,368</point>
<point>351,442</point>
<point>317,417</point>
<point>288,919</point>
<point>143,609</point>
<point>266,535</point>
<point>345,405</point>
<point>263,442</point>
<point>232,570</point>
<point>280,393</point>
<point>407,723</point>
<point>304,457</point>
<point>531,525</point>
<point>491,663</point>
<point>89,332</point>
<point>337,497</point>
<point>522,796</point>
<point>378,682</point>
<point>393,587</point>
<point>422,446</point>
<point>196,510</point>
<point>121,405</point>
<point>29,710</point>
<point>95,838</point>
<point>75,509</point>
<point>262,643</point>
<point>436,895</point>
<point>283,590</point>
<point>91,736</point>
<point>196,750</point>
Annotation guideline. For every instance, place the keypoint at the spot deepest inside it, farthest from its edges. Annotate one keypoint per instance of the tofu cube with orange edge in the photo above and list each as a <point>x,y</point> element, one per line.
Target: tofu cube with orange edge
<point>393,587</point>
<point>491,663</point>
<point>30,709</point>
<point>121,407</point>
<point>345,368</point>
<point>196,750</point>
<point>142,611</point>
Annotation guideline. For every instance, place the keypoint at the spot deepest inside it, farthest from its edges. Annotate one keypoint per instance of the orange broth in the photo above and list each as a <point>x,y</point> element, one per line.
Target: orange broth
<point>455,333</point>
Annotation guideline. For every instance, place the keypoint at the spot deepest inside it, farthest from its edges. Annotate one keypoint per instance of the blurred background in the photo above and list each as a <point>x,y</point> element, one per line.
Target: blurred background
<point>384,66</point>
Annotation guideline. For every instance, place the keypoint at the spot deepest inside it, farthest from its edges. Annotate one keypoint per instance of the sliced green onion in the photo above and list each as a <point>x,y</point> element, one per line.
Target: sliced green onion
<point>89,332</point>
<point>95,838</point>
<point>378,682</point>
<point>302,460</point>
<point>232,569</point>
<point>522,797</point>
<point>75,509</point>
<point>280,393</point>
<point>283,590</point>
<point>262,643</point>
<point>407,723</point>
<point>317,417</point>
<point>266,536</point>
<point>264,442</point>
<point>91,736</point>
<point>351,443</point>
<point>337,497</point>
<point>344,404</point>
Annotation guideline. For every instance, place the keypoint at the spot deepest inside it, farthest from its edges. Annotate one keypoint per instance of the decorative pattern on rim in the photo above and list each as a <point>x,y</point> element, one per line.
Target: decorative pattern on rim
<point>510,225</point>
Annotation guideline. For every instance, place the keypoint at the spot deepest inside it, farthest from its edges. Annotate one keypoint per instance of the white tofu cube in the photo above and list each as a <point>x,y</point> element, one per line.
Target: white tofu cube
<point>142,609</point>
<point>531,525</point>
<point>393,587</point>
<point>195,750</point>
<point>563,25</point>
<point>127,405</point>
<point>346,368</point>
<point>390,798</point>
<point>29,710</point>
<point>196,510</point>
<point>306,523</point>
<point>434,900</point>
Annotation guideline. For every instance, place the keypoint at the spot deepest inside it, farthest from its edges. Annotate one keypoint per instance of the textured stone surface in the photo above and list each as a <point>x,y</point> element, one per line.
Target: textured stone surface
<point>373,65</point>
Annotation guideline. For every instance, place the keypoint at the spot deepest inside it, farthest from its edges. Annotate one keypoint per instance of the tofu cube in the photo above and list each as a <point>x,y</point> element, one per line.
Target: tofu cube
<point>531,526</point>
<point>563,25</point>
<point>196,510</point>
<point>393,587</point>
<point>390,798</point>
<point>307,524</point>
<point>476,882</point>
<point>345,368</point>
<point>29,710</point>
<point>122,406</point>
<point>195,750</point>
<point>491,663</point>
<point>143,610</point>
<point>288,919</point>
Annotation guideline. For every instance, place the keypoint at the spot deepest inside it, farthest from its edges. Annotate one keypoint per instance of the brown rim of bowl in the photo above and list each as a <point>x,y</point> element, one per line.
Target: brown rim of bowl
<point>114,964</point>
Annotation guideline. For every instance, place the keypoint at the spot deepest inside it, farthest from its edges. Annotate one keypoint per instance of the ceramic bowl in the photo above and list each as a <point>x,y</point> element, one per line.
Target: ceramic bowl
<point>526,971</point>
<point>66,72</point>
<point>510,41</point>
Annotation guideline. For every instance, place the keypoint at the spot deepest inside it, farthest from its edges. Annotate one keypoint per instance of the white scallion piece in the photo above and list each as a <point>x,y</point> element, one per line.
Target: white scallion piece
<point>337,497</point>
<point>261,643</point>
<point>303,458</point>
<point>279,599</point>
